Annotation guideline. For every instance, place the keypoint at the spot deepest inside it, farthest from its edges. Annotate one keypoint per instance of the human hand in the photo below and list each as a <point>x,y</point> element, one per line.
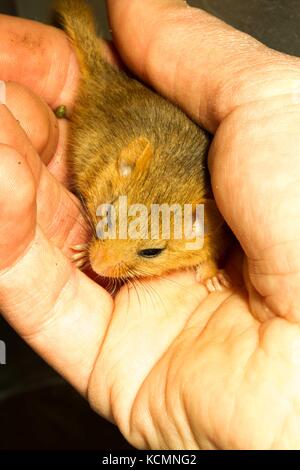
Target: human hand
<point>173,366</point>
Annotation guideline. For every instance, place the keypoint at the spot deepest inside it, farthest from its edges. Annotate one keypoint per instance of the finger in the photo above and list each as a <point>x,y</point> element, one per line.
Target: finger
<point>42,58</point>
<point>34,116</point>
<point>39,57</point>
<point>60,312</point>
<point>258,194</point>
<point>58,211</point>
<point>48,135</point>
<point>17,229</point>
<point>159,310</point>
<point>196,60</point>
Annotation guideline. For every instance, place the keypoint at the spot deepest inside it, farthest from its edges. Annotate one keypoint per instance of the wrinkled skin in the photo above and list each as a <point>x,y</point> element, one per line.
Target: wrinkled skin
<point>172,366</point>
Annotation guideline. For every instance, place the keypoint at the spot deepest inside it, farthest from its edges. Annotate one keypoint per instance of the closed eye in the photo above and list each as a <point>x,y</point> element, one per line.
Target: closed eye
<point>150,252</point>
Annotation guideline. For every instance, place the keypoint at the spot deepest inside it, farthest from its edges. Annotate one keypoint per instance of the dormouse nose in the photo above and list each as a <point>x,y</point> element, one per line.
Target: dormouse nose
<point>104,261</point>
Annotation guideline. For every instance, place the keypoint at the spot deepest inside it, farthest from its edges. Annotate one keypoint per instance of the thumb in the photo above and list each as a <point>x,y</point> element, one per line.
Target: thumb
<point>61,313</point>
<point>196,60</point>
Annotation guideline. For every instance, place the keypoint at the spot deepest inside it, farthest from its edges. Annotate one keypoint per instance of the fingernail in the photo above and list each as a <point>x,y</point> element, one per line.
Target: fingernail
<point>2,92</point>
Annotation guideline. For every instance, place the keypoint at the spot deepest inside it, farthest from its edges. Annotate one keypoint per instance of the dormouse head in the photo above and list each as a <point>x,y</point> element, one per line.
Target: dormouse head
<point>146,224</point>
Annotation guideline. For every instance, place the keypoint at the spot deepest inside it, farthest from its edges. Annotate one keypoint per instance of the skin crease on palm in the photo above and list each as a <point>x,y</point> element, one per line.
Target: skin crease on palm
<point>172,366</point>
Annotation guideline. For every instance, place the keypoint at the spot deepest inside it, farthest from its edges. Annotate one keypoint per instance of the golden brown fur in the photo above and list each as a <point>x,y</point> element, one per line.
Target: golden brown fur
<point>118,121</point>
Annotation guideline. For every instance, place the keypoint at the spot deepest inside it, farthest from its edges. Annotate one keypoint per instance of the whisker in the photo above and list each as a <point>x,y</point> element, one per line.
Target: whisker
<point>133,284</point>
<point>147,289</point>
<point>146,274</point>
<point>86,214</point>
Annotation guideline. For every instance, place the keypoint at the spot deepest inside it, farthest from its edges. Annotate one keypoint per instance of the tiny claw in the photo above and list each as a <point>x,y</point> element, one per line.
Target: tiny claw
<point>209,285</point>
<point>198,276</point>
<point>224,279</point>
<point>217,284</point>
<point>214,280</point>
<point>80,264</point>
<point>81,247</point>
<point>79,256</point>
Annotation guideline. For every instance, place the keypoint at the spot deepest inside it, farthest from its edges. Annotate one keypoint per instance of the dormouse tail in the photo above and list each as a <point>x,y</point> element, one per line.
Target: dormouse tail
<point>76,19</point>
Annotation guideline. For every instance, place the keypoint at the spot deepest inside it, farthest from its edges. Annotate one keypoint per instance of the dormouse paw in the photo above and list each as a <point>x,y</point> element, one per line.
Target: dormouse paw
<point>215,280</point>
<point>80,257</point>
<point>218,282</point>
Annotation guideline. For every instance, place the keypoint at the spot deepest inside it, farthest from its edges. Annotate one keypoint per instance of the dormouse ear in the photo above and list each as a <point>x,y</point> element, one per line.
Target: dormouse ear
<point>135,157</point>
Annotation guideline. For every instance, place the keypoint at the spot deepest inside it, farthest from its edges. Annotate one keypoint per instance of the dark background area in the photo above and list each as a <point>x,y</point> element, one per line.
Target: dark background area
<point>38,409</point>
<point>274,22</point>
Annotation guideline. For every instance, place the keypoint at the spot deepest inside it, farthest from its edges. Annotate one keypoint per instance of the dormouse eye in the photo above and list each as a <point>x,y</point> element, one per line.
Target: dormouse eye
<point>150,252</point>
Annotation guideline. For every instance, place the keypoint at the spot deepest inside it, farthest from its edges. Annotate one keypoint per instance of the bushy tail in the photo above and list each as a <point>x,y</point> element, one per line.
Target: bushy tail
<point>76,19</point>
